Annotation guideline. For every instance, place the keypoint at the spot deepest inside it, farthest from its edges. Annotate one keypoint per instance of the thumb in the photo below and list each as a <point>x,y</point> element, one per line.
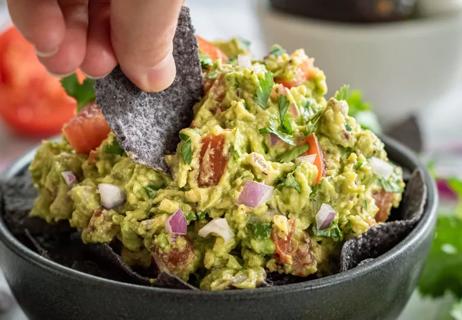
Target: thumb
<point>142,37</point>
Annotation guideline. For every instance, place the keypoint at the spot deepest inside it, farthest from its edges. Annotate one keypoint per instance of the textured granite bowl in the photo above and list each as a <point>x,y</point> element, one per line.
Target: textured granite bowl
<point>375,290</point>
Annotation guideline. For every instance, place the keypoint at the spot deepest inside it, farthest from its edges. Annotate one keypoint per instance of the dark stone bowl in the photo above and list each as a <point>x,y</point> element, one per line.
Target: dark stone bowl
<point>376,290</point>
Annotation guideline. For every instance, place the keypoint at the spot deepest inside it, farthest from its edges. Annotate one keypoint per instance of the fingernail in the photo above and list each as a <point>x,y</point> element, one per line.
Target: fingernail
<point>60,76</point>
<point>45,54</point>
<point>95,77</point>
<point>161,76</point>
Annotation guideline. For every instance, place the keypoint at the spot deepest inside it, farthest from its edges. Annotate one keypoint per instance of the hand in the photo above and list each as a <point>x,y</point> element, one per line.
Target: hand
<point>96,35</point>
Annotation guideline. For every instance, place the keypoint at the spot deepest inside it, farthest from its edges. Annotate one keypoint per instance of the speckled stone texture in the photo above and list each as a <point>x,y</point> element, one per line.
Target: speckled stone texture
<point>147,124</point>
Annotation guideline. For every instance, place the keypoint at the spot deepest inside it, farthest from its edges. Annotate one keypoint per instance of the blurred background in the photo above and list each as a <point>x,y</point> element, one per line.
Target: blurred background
<point>405,57</point>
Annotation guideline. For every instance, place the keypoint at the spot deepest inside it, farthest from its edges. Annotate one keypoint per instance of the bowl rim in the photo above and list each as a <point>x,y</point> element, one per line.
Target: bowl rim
<point>415,236</point>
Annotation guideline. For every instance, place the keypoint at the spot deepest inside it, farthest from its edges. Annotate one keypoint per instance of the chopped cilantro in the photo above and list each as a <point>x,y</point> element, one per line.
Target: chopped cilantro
<point>277,50</point>
<point>443,269</point>
<point>191,216</point>
<point>113,148</point>
<point>348,127</point>
<point>234,152</point>
<point>264,90</point>
<point>293,153</point>
<point>357,108</point>
<point>281,135</point>
<point>312,126</point>
<point>201,215</point>
<point>333,232</point>
<point>284,119</point>
<point>260,230</point>
<point>205,60</point>
<point>391,184</point>
<point>83,93</point>
<point>151,189</point>
<point>290,182</point>
<point>186,150</point>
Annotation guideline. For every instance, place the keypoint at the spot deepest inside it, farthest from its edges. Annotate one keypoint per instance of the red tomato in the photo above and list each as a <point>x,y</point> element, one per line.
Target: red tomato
<point>87,129</point>
<point>176,260</point>
<point>211,50</point>
<point>384,201</point>
<point>32,101</point>
<point>302,74</point>
<point>212,160</point>
<point>315,148</point>
<point>293,252</point>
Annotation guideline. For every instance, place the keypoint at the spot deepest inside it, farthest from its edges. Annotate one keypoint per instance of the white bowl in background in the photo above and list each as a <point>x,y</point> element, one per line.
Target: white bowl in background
<point>400,66</point>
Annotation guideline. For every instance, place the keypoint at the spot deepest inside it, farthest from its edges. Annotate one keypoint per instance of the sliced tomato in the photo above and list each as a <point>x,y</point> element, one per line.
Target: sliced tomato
<point>315,149</point>
<point>87,129</point>
<point>213,161</point>
<point>302,73</point>
<point>211,50</point>
<point>384,201</point>
<point>176,260</point>
<point>32,101</point>
<point>293,252</point>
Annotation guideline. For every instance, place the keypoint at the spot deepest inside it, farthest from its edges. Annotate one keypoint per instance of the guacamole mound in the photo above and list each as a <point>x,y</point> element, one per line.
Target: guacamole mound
<point>269,177</point>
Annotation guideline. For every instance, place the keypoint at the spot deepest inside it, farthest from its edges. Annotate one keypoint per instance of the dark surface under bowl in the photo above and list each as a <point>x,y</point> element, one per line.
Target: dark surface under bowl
<point>378,289</point>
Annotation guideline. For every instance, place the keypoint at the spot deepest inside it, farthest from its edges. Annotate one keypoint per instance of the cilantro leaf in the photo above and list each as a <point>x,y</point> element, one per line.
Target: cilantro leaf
<point>264,90</point>
<point>205,61</point>
<point>358,108</point>
<point>283,104</point>
<point>281,135</point>
<point>113,148</point>
<point>277,50</point>
<point>186,148</point>
<point>83,93</point>
<point>293,153</point>
<point>333,232</point>
<point>443,268</point>
<point>260,230</point>
<point>151,189</point>
<point>390,185</point>
<point>290,182</point>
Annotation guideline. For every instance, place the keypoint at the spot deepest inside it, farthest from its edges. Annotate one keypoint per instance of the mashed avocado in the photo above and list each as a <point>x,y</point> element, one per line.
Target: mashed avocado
<point>269,177</point>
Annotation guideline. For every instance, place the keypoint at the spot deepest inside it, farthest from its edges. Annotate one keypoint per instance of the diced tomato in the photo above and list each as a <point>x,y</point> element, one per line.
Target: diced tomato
<point>384,201</point>
<point>302,74</point>
<point>176,260</point>
<point>87,129</point>
<point>211,50</point>
<point>32,101</point>
<point>293,252</point>
<point>315,148</point>
<point>212,160</point>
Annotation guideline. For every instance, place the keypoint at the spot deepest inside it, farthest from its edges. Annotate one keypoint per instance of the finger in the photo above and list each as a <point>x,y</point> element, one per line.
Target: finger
<point>72,50</point>
<point>41,22</point>
<point>99,58</point>
<point>142,34</point>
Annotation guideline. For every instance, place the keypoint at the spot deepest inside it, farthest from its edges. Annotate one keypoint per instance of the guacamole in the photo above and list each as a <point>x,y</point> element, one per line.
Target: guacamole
<point>269,177</point>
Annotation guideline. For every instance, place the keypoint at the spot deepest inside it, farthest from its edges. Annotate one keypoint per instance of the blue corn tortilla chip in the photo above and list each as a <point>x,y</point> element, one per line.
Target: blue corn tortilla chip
<point>381,238</point>
<point>147,124</point>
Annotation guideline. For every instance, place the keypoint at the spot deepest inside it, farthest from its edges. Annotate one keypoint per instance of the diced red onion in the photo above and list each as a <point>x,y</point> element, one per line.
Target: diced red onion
<point>381,168</point>
<point>325,216</point>
<point>244,61</point>
<point>111,195</point>
<point>445,190</point>
<point>176,223</point>
<point>219,227</point>
<point>308,159</point>
<point>274,139</point>
<point>69,178</point>
<point>255,194</point>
